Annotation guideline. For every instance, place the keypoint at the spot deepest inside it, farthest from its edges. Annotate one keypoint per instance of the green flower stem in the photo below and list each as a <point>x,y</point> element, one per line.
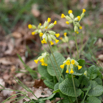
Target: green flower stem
<point>76,46</point>
<point>55,61</point>
<point>51,62</point>
<point>70,51</point>
<point>74,88</point>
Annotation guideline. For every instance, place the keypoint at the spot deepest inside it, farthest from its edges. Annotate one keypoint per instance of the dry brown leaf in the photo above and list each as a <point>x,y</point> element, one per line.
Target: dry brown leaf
<point>35,11</point>
<point>100,57</point>
<point>4,61</point>
<point>32,64</point>
<point>39,83</point>
<point>16,35</point>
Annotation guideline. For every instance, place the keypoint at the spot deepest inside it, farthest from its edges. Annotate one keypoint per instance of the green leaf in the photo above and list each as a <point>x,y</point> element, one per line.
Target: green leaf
<point>50,97</point>
<point>49,84</point>
<point>81,62</point>
<point>56,88</point>
<point>96,90</point>
<point>93,100</point>
<point>67,99</point>
<point>99,81</point>
<point>66,87</point>
<point>43,72</point>
<point>52,64</point>
<point>92,72</point>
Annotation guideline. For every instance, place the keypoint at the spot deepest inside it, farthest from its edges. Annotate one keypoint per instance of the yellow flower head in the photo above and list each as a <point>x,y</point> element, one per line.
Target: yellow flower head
<point>43,41</point>
<point>77,32</point>
<point>67,71</point>
<point>62,16</point>
<point>36,61</point>
<point>29,26</point>
<point>65,34</point>
<point>57,35</point>
<point>67,62</point>
<point>55,22</point>
<point>33,33</point>
<point>67,22</point>
<point>78,18</point>
<point>84,10</point>
<point>70,11</point>
<point>62,66</point>
<point>51,43</point>
<point>41,34</point>
<point>73,62</point>
<point>71,71</point>
<point>56,40</point>
<point>49,20</point>
<point>42,60</point>
<point>79,67</point>
<point>40,24</point>
<point>80,27</point>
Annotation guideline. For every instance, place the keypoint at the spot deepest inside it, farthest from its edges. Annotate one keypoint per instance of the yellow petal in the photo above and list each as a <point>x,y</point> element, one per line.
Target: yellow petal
<point>36,61</point>
<point>62,66</point>
<point>70,11</point>
<point>79,67</point>
<point>71,71</point>
<point>67,71</point>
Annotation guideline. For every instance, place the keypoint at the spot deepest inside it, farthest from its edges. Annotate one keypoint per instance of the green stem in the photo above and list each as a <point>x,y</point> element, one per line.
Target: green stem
<point>76,46</point>
<point>55,61</point>
<point>74,89</point>
<point>51,62</point>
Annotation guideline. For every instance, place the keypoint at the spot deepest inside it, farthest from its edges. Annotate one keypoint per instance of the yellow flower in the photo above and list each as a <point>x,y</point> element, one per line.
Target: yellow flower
<point>80,27</point>
<point>78,18</point>
<point>43,41</point>
<point>49,20</point>
<point>40,24</point>
<point>62,16</point>
<point>62,66</point>
<point>67,71</point>
<point>65,34</point>
<point>67,22</point>
<point>84,10</point>
<point>67,62</point>
<point>29,26</point>
<point>71,71</point>
<point>41,34</point>
<point>43,64</point>
<point>51,43</point>
<point>70,11</point>
<point>57,35</point>
<point>36,61</point>
<point>77,32</point>
<point>55,22</point>
<point>73,62</point>
<point>33,33</point>
<point>79,67</point>
<point>46,64</point>
<point>56,40</point>
<point>42,60</point>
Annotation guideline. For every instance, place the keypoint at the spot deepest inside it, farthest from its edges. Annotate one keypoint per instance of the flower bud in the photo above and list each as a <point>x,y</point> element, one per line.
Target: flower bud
<point>67,17</point>
<point>33,27</point>
<point>53,37</point>
<point>51,32</point>
<point>51,26</point>
<point>75,28</point>
<point>49,38</point>
<point>44,36</point>
<point>71,15</point>
<point>46,24</point>
<point>82,15</point>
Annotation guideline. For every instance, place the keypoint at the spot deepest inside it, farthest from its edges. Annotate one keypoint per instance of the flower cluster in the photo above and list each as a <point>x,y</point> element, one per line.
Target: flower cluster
<point>44,31</point>
<point>65,39</point>
<point>70,65</point>
<point>72,19</point>
<point>43,59</point>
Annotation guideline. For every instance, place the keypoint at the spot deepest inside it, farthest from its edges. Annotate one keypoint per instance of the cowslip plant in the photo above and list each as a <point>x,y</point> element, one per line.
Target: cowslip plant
<point>71,80</point>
